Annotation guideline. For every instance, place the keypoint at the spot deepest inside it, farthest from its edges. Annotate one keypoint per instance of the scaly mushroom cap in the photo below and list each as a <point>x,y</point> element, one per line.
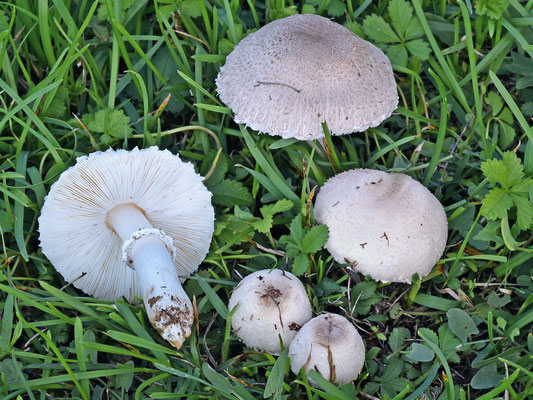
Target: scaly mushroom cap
<point>297,72</point>
<point>331,346</point>
<point>271,303</point>
<point>388,226</point>
<point>80,244</point>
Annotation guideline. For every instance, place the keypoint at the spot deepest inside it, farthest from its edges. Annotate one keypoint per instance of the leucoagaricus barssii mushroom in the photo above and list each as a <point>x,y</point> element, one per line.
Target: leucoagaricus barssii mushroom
<point>297,72</point>
<point>271,304</point>
<point>330,345</point>
<point>131,223</point>
<point>388,226</point>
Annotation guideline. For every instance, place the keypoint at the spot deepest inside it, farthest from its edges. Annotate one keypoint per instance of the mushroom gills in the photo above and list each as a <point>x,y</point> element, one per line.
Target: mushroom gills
<point>148,252</point>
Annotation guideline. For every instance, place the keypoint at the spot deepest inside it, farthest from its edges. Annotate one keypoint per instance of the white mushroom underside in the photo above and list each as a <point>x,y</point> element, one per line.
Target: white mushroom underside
<point>297,72</point>
<point>389,226</point>
<point>167,190</point>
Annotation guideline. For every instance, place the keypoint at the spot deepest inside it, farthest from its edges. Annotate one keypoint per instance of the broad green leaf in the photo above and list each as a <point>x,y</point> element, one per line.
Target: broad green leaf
<point>448,343</point>
<point>314,239</point>
<point>378,30</point>
<point>496,204</point>
<point>219,382</point>
<point>486,377</point>
<point>461,324</point>
<point>274,385</point>
<point>420,353</point>
<point>430,335</point>
<point>495,101</point>
<point>401,14</point>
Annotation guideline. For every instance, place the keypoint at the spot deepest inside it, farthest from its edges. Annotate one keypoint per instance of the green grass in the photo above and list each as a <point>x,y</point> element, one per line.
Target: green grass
<point>463,332</point>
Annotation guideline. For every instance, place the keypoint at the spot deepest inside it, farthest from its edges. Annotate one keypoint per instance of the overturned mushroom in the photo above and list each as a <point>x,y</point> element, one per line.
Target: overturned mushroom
<point>271,304</point>
<point>330,345</point>
<point>297,72</point>
<point>131,223</point>
<point>388,226</point>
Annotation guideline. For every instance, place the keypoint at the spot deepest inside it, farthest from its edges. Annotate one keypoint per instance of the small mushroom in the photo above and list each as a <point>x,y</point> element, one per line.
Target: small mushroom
<point>388,226</point>
<point>297,72</point>
<point>271,304</point>
<point>330,345</point>
<point>130,223</point>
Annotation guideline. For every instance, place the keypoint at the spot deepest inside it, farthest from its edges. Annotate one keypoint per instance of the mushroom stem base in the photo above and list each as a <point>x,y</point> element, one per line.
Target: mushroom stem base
<point>167,305</point>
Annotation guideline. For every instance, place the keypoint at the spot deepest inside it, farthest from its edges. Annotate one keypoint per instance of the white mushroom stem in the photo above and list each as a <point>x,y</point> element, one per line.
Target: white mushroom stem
<point>148,252</point>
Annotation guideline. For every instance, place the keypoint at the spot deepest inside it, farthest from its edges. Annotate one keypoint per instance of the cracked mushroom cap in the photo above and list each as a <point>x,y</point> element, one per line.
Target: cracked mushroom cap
<point>331,346</point>
<point>388,226</point>
<point>271,304</point>
<point>297,72</point>
<point>80,244</point>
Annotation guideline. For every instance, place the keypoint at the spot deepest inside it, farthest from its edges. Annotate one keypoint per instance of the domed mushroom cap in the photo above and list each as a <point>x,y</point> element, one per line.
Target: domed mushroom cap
<point>388,226</point>
<point>331,346</point>
<point>271,303</point>
<point>79,242</point>
<point>297,72</point>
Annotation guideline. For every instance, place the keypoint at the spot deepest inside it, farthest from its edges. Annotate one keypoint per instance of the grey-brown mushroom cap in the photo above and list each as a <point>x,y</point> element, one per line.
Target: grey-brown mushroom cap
<point>388,226</point>
<point>77,240</point>
<point>297,72</point>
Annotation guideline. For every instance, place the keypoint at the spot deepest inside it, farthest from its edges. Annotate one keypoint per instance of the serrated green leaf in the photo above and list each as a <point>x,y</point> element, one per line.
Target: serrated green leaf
<point>493,9</point>
<point>230,193</point>
<point>336,8</point>
<point>301,263</point>
<point>296,229</point>
<point>327,287</point>
<point>461,324</point>
<point>191,8</point>
<point>279,206</point>
<point>397,55</point>
<point>264,225</point>
<point>397,338</point>
<point>378,30</point>
<point>506,172</point>
<point>401,14</point>
<point>418,48</point>
<point>524,211</point>
<point>496,204</point>
<point>314,239</point>
<point>523,187</point>
<point>414,30</point>
<point>110,122</point>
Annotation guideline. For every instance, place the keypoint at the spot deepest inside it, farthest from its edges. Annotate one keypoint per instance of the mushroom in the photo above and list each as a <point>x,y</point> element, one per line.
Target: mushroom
<point>271,304</point>
<point>130,223</point>
<point>330,345</point>
<point>297,72</point>
<point>388,226</point>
